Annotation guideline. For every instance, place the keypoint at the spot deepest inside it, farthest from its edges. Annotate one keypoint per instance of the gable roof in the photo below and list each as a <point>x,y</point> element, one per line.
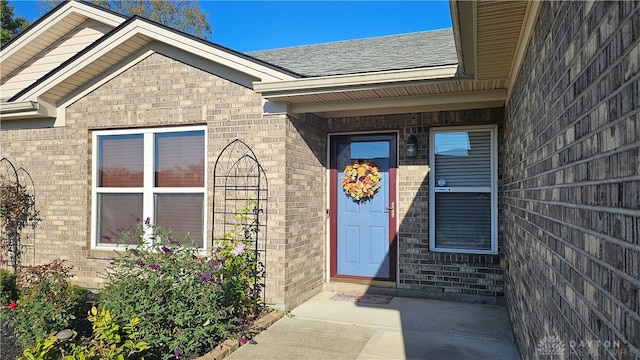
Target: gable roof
<point>491,36</point>
<point>122,47</point>
<point>469,66</point>
<point>129,38</point>
<point>490,39</point>
<point>49,30</point>
<point>394,52</point>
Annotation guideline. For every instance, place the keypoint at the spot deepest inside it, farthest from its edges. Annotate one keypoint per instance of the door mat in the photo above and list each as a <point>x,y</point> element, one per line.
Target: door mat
<point>362,298</point>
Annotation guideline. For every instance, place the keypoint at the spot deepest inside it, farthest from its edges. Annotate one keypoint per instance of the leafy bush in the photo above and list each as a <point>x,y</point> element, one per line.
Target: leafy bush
<point>43,349</point>
<point>8,290</point>
<point>234,266</point>
<point>47,302</point>
<point>110,341</point>
<point>186,303</point>
<point>238,263</point>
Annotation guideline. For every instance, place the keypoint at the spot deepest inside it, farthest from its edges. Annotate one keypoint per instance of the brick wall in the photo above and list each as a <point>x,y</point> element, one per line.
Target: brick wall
<point>306,232</point>
<point>158,91</point>
<point>60,193</point>
<point>423,273</point>
<point>572,182</point>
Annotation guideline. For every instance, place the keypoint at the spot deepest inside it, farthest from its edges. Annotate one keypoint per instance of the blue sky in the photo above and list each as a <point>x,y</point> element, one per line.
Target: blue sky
<point>259,25</point>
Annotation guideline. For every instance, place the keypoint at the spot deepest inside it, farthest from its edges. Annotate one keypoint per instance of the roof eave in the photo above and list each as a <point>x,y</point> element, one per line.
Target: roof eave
<point>151,31</point>
<point>464,23</point>
<point>531,17</point>
<point>55,16</point>
<point>26,110</point>
<point>492,36</point>
<point>352,82</point>
<point>406,104</point>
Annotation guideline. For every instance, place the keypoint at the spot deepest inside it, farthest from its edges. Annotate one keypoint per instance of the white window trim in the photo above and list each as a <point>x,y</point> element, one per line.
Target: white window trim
<point>148,189</point>
<point>493,188</point>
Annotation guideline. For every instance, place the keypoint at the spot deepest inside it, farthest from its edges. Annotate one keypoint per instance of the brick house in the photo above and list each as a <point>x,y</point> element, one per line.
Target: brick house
<point>508,148</point>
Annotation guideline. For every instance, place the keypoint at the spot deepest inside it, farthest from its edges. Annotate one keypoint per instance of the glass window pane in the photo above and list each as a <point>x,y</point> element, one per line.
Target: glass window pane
<point>378,152</point>
<point>463,159</point>
<point>370,150</point>
<point>120,160</point>
<point>179,159</point>
<point>452,143</point>
<point>463,221</point>
<point>117,212</point>
<point>183,213</point>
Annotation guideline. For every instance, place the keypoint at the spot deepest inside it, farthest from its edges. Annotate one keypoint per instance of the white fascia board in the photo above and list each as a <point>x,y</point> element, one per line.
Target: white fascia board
<point>333,83</point>
<point>409,109</point>
<point>69,8</point>
<point>18,107</point>
<point>27,110</point>
<point>211,53</point>
<point>140,27</point>
<point>464,23</point>
<point>476,98</point>
<point>528,25</point>
<point>70,69</point>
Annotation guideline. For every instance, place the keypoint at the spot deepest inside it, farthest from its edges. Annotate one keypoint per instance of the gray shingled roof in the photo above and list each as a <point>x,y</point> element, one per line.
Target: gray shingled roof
<point>394,52</point>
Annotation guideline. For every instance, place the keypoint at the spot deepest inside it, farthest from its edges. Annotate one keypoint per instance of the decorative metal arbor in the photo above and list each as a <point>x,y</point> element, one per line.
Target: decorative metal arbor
<point>240,193</point>
<point>17,211</point>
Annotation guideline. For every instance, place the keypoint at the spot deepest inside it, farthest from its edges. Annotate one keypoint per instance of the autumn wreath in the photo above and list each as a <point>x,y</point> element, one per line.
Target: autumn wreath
<point>361,180</point>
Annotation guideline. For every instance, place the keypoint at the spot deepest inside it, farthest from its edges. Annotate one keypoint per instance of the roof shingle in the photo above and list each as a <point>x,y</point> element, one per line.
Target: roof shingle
<point>394,52</point>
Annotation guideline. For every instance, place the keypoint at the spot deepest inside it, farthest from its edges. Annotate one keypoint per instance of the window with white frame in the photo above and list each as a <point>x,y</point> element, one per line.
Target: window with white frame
<point>463,190</point>
<point>157,174</point>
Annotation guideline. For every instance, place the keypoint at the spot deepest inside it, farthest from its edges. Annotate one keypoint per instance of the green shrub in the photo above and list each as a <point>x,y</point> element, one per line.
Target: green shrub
<point>110,341</point>
<point>47,302</point>
<point>186,304</point>
<point>235,266</point>
<point>43,349</point>
<point>8,290</point>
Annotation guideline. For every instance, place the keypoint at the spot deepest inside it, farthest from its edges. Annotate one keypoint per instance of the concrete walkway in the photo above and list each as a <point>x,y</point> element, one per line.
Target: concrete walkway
<point>405,328</point>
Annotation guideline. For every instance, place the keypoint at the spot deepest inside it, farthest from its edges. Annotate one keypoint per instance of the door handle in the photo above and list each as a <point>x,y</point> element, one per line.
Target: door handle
<point>391,209</point>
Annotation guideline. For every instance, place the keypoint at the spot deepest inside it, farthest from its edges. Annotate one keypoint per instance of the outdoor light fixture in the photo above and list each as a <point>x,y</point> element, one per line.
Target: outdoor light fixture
<point>411,148</point>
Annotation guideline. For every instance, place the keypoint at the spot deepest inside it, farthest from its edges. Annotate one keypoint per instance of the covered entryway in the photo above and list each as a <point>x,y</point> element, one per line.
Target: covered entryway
<point>362,206</point>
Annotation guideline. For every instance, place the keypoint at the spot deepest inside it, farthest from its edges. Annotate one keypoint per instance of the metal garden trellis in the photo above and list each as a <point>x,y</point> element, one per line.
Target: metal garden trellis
<point>240,191</point>
<point>20,181</point>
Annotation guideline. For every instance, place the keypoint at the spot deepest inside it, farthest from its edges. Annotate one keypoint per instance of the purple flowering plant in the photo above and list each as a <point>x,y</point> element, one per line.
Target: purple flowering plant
<point>149,275</point>
<point>233,256</point>
<point>208,293</point>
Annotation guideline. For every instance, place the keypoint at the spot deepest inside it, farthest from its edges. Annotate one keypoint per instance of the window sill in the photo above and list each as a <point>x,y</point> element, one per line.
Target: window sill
<point>463,251</point>
<point>102,254</point>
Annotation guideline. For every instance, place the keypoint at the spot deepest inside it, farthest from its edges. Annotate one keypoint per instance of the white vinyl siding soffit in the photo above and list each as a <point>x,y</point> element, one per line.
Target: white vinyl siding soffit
<point>52,57</point>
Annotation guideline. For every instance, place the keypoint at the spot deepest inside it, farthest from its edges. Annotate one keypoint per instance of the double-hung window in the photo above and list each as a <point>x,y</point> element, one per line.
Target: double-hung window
<point>463,190</point>
<point>155,174</point>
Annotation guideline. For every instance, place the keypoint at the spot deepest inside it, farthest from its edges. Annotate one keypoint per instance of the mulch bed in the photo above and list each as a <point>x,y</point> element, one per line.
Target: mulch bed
<point>9,348</point>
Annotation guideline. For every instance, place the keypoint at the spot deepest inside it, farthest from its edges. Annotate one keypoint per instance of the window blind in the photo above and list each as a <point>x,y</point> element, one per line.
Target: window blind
<point>115,212</point>
<point>463,159</point>
<point>183,213</point>
<point>121,161</point>
<point>463,221</point>
<point>179,159</point>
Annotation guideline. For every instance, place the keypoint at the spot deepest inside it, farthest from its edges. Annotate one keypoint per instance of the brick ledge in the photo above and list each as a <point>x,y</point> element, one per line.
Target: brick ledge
<point>226,348</point>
